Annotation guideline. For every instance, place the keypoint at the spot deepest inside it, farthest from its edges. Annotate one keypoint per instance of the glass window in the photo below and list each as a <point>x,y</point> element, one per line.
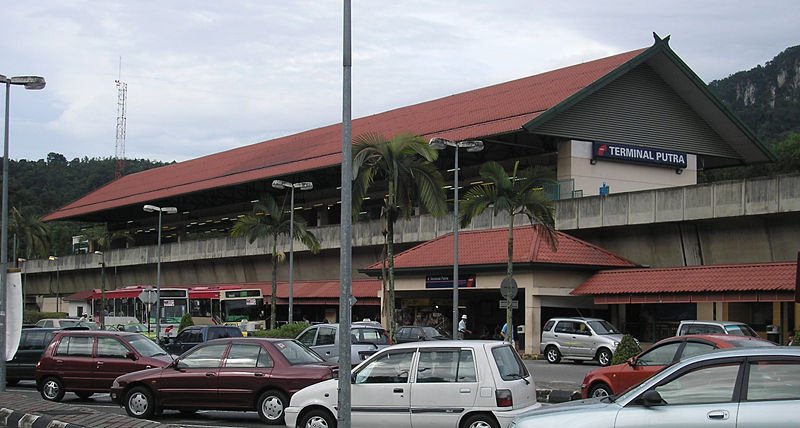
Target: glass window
<point>144,346</point>
<point>32,340</point>
<point>710,384</point>
<point>75,346</point>
<point>508,363</point>
<point>660,356</point>
<point>773,380</point>
<point>326,336</point>
<point>243,356</point>
<point>740,330</point>
<point>603,327</point>
<point>549,325</point>
<point>696,348</point>
<point>446,366</point>
<point>391,367</point>
<point>297,353</point>
<point>307,338</point>
<point>566,327</point>
<point>111,348</point>
<point>404,333</point>
<point>204,357</point>
<point>371,335</point>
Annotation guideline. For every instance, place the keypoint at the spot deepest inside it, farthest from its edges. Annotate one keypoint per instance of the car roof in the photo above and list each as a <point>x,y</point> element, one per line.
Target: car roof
<point>357,324</point>
<point>68,332</point>
<point>575,319</point>
<point>715,338</point>
<point>715,322</point>
<point>450,344</point>
<point>769,351</point>
<point>250,339</point>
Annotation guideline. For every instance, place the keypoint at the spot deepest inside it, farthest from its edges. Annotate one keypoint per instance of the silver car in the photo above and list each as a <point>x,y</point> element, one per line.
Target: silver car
<point>579,339</point>
<point>741,387</point>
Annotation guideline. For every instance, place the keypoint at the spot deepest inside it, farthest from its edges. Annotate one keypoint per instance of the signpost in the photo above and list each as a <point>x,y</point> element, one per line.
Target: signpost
<point>148,296</point>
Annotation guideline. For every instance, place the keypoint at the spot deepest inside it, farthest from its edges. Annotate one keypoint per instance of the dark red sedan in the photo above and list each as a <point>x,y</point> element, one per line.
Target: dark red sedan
<point>237,373</point>
<point>613,380</point>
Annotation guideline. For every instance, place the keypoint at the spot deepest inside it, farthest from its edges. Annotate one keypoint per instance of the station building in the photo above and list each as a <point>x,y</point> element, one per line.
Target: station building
<point>639,121</point>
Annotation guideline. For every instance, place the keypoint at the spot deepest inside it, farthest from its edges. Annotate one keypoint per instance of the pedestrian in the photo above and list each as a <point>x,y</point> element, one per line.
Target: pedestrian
<point>504,332</point>
<point>462,327</point>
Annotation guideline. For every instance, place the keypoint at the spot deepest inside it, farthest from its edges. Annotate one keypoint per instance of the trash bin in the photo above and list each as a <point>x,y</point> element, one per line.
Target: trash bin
<point>774,333</point>
<point>519,337</point>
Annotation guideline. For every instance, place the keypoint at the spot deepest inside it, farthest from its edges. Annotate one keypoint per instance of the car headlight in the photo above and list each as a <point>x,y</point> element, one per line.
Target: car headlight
<point>616,344</point>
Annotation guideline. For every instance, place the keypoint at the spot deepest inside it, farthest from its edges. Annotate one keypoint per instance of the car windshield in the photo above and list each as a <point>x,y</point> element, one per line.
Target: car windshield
<point>135,328</point>
<point>297,353</point>
<point>432,332</point>
<point>603,327</point>
<point>740,330</point>
<point>144,346</point>
<point>68,323</point>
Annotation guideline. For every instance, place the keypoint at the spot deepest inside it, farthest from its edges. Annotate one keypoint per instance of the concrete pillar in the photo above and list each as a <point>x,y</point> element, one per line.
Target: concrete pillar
<point>705,310</point>
<point>533,324</point>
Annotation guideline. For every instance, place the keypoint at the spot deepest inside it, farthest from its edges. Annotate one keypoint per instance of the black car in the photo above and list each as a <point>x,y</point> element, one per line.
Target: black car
<point>32,344</point>
<point>418,333</point>
<point>192,336</point>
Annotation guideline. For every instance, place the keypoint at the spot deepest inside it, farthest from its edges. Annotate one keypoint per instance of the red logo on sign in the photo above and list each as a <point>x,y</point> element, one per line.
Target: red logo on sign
<point>601,150</point>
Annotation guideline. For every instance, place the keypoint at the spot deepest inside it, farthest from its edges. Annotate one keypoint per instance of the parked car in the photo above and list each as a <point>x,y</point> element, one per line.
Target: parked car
<point>32,344</point>
<point>741,387</point>
<point>715,327</point>
<point>138,328</point>
<point>467,384</point>
<point>615,379</point>
<point>366,339</point>
<point>225,374</point>
<point>88,361</point>
<point>67,323</point>
<point>418,333</point>
<point>579,339</point>
<point>194,335</point>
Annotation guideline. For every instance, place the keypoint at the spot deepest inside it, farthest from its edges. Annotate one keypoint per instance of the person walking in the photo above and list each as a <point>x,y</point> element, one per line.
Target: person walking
<point>462,327</point>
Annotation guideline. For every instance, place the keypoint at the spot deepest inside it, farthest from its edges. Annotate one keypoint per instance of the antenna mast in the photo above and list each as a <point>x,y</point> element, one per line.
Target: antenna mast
<point>122,99</point>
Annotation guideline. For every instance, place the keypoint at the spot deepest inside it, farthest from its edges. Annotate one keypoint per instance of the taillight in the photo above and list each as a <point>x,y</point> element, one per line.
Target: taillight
<point>504,398</point>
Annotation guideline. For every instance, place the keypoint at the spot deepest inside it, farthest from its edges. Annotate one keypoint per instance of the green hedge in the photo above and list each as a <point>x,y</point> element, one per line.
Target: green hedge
<point>627,348</point>
<point>186,321</point>
<point>31,317</point>
<point>285,331</point>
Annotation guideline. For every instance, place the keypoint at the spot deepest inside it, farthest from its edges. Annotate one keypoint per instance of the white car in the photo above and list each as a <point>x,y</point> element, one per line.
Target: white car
<point>466,384</point>
<point>739,387</point>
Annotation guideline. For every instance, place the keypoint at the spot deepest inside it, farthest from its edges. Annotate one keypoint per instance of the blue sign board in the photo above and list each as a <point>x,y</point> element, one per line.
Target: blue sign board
<point>446,281</point>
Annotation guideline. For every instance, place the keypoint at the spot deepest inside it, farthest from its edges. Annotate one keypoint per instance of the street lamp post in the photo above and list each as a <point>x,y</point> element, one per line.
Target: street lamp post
<point>33,83</point>
<point>160,210</point>
<point>471,146</point>
<point>58,284</point>
<point>281,185</point>
<point>102,289</point>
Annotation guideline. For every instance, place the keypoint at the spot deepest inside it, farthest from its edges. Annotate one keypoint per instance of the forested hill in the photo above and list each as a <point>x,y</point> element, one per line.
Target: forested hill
<point>766,98</point>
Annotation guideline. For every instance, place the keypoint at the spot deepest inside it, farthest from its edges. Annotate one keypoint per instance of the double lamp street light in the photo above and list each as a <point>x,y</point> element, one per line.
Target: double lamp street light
<point>32,83</point>
<point>471,146</point>
<point>166,210</point>
<point>282,185</point>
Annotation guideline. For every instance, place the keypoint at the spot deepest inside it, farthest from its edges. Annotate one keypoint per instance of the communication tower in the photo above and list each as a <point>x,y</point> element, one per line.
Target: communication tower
<point>119,153</point>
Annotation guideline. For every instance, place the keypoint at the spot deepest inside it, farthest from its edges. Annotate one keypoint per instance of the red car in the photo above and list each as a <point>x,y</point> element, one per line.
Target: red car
<point>615,379</point>
<point>235,373</point>
<point>88,361</point>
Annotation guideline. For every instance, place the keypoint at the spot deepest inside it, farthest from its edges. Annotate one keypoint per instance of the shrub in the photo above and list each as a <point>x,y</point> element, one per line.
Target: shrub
<point>30,317</point>
<point>796,340</point>
<point>627,348</point>
<point>285,331</point>
<point>186,321</point>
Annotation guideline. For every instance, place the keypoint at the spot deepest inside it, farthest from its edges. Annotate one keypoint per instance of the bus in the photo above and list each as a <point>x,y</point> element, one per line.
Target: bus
<point>174,304</point>
<point>243,308</point>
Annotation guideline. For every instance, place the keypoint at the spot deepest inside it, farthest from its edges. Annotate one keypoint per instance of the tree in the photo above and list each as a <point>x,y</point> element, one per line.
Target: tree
<point>516,194</point>
<point>100,238</point>
<point>268,220</point>
<point>31,233</point>
<point>405,164</point>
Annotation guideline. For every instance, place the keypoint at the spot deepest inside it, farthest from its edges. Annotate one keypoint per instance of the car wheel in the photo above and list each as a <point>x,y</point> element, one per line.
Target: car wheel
<point>52,389</point>
<point>139,403</point>
<point>604,357</point>
<point>84,395</point>
<point>271,405</point>
<point>599,390</point>
<point>480,421</point>
<point>552,354</point>
<point>318,418</point>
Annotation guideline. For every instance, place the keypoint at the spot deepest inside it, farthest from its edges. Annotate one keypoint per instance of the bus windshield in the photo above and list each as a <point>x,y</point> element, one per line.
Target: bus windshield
<point>242,309</point>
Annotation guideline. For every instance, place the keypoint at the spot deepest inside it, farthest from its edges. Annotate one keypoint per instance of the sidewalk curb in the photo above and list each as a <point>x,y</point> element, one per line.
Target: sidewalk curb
<point>11,418</point>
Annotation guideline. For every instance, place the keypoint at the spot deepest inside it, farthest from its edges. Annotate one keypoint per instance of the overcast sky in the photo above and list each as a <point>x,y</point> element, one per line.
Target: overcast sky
<point>207,76</point>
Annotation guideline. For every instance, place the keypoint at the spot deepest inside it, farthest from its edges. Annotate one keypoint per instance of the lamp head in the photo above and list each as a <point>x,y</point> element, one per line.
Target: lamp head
<point>439,143</point>
<point>280,184</point>
<point>304,185</point>
<point>30,82</point>
<point>472,146</point>
<point>150,208</point>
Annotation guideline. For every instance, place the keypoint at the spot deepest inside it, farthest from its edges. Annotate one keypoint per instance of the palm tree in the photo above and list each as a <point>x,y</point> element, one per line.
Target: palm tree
<point>516,194</point>
<point>268,220</point>
<point>100,238</point>
<point>405,164</point>
<point>33,234</point>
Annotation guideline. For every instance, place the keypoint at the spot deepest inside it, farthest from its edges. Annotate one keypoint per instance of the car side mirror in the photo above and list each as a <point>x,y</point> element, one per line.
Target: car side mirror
<point>652,398</point>
<point>179,365</point>
<point>631,361</point>
<point>131,356</point>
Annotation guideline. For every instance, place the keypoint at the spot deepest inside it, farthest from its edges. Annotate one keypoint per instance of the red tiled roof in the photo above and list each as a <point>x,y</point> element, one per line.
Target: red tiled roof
<point>80,296</point>
<point>487,247</point>
<point>705,279</point>
<point>479,113</point>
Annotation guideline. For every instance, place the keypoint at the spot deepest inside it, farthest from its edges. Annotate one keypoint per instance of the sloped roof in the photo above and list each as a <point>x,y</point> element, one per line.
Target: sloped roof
<point>490,247</point>
<point>707,279</point>
<point>483,112</point>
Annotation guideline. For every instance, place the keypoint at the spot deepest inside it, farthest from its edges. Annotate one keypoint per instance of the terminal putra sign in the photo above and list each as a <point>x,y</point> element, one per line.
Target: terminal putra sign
<point>638,154</point>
